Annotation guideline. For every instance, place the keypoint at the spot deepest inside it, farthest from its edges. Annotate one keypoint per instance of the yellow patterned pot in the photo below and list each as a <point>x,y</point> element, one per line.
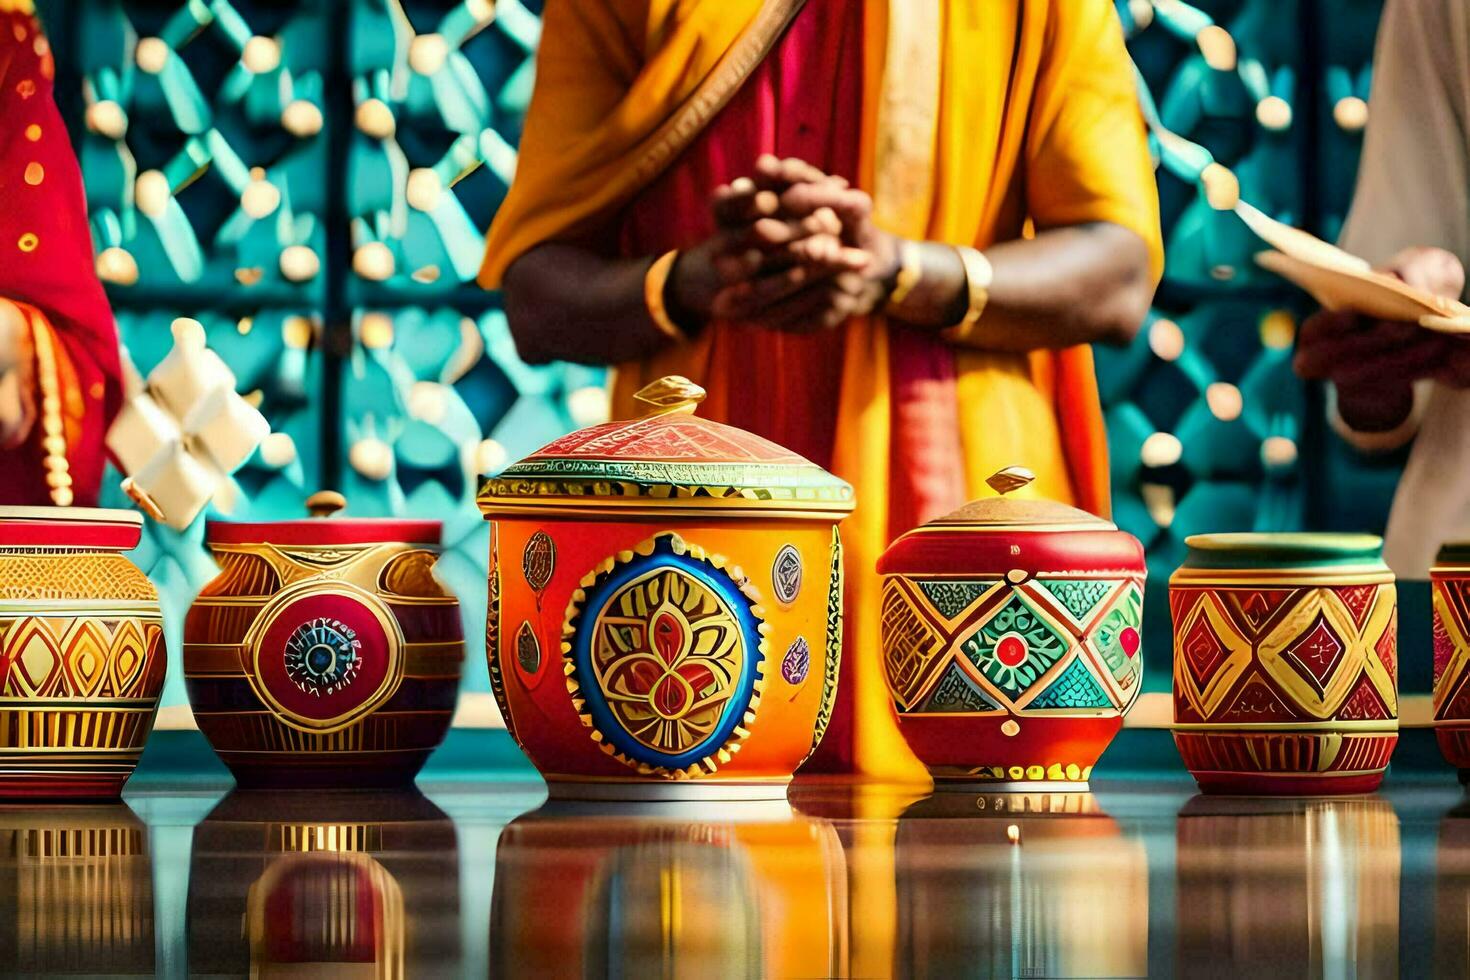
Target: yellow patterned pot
<point>665,605</point>
<point>81,652</point>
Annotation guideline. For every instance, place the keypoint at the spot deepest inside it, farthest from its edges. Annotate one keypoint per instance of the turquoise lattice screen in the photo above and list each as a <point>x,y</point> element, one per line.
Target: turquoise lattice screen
<point>310,180</point>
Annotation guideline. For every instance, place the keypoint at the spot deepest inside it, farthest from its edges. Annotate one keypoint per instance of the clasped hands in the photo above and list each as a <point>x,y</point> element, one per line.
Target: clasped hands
<point>794,250</point>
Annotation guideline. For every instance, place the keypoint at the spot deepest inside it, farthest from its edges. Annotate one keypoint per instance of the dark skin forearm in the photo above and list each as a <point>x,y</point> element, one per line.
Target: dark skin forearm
<point>1064,287</point>
<point>1068,286</point>
<point>568,303</point>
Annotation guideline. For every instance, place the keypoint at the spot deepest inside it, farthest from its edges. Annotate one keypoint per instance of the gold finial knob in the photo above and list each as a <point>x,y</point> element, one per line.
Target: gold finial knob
<point>1010,478</point>
<point>670,394</point>
<point>325,503</point>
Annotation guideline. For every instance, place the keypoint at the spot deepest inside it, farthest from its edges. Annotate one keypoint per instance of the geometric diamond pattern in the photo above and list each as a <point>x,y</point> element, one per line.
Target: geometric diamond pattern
<point>1303,654</point>
<point>1256,702</point>
<point>1256,606</point>
<point>1316,654</point>
<point>1203,650</point>
<point>1451,651</point>
<point>1075,687</point>
<point>981,645</point>
<point>1079,597</point>
<point>80,657</point>
<point>957,692</point>
<point>952,598</point>
<point>1015,625</point>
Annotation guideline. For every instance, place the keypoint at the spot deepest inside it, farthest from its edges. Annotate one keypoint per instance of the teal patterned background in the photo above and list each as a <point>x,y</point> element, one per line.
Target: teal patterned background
<point>347,307</point>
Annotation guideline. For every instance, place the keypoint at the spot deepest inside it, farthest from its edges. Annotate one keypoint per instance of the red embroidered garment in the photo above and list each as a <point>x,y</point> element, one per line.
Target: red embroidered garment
<point>48,286</point>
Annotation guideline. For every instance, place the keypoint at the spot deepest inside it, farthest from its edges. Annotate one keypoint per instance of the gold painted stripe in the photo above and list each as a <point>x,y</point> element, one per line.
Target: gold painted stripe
<point>1303,577</point>
<point>1305,727</point>
<point>77,704</point>
<point>1291,773</point>
<point>1021,714</point>
<point>72,608</point>
<point>552,777</point>
<point>62,750</point>
<point>223,753</point>
<point>370,715</point>
<point>655,507</point>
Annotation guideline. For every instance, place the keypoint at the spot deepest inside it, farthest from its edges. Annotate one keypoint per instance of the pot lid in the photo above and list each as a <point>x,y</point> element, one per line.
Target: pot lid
<point>1282,550</point>
<point>666,458</point>
<point>1013,536</point>
<point>322,528</point>
<point>70,527</point>
<point>1006,513</point>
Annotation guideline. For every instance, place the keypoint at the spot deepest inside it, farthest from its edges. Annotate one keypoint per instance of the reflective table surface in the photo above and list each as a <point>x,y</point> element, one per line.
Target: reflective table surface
<point>485,878</point>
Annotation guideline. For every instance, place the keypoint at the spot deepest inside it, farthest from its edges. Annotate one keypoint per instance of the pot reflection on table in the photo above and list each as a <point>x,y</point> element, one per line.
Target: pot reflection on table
<point>1452,894</point>
<point>671,890</point>
<point>1287,887</point>
<point>76,891</point>
<point>1019,885</point>
<point>335,884</point>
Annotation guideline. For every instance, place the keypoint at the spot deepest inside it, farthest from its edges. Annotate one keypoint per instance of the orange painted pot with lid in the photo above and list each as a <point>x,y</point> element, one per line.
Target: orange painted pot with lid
<point>665,605</point>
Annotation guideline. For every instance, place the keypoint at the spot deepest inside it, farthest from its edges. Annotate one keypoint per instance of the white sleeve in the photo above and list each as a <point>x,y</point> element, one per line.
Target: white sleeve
<point>1413,180</point>
<point>1414,176</point>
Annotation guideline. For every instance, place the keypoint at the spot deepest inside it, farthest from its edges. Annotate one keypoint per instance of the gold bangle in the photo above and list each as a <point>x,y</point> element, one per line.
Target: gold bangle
<point>978,275</point>
<point>654,282</point>
<point>910,271</point>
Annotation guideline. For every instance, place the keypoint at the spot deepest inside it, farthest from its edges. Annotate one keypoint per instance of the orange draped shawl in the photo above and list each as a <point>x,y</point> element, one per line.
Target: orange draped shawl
<point>1001,112</point>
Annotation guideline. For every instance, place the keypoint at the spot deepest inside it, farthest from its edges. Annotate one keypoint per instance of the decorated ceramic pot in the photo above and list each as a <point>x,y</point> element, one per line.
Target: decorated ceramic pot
<point>1293,888</point>
<point>329,884</point>
<point>1019,885</point>
<point>1285,662</point>
<point>727,889</point>
<point>1450,578</point>
<point>325,653</point>
<point>1012,640</point>
<point>76,884</point>
<point>665,605</point>
<point>81,652</point>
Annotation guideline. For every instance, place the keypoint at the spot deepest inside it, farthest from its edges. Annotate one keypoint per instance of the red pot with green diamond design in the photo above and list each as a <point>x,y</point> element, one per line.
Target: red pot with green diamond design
<point>1012,638</point>
<point>1285,663</point>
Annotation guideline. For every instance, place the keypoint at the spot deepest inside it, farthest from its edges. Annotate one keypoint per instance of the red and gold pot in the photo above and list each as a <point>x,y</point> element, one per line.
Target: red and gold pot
<point>1012,640</point>
<point>81,652</point>
<point>1285,662</point>
<point>665,605</point>
<point>325,653</point>
<point>1450,578</point>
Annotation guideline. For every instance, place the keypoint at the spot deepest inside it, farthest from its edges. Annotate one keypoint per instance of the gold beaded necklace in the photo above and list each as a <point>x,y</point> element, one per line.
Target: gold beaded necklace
<point>53,428</point>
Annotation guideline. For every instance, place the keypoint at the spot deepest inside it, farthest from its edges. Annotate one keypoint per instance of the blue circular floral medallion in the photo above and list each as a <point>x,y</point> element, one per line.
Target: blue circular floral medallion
<point>666,656</point>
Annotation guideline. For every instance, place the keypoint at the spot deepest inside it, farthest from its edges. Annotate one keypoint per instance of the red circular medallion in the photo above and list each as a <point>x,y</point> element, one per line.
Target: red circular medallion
<point>1010,650</point>
<point>326,656</point>
<point>1129,641</point>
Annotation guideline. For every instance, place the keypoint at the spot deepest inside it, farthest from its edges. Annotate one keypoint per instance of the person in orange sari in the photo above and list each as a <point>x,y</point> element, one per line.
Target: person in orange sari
<point>879,233</point>
<point>60,382</point>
